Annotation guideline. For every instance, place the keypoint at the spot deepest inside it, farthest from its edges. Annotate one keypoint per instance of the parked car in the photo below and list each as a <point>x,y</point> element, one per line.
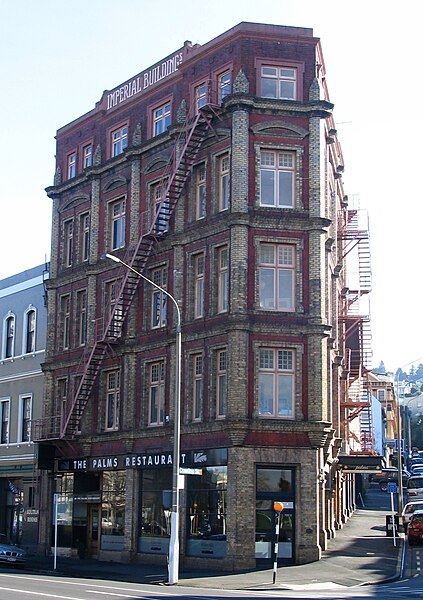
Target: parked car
<point>11,554</point>
<point>408,511</point>
<point>389,475</point>
<point>415,487</point>
<point>415,528</point>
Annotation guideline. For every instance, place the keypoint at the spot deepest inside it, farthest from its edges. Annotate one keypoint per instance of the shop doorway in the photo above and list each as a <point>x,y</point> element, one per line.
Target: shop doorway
<point>93,530</point>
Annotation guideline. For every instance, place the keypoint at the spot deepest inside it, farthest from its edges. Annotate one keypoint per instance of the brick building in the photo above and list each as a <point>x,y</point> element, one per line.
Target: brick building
<point>217,173</point>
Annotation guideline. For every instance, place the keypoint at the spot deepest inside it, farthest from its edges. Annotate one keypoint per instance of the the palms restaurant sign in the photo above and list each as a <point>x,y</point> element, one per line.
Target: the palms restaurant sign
<point>157,460</point>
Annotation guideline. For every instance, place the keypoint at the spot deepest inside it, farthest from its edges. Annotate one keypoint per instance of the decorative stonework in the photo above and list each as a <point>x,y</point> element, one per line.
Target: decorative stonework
<point>137,137</point>
<point>97,156</point>
<point>181,115</point>
<point>58,176</point>
<point>314,93</point>
<point>241,84</point>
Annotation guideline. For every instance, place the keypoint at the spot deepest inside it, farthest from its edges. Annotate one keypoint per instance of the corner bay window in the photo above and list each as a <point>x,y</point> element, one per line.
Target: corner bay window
<point>277,277</point>
<point>221,384</point>
<point>277,179</point>
<point>276,383</point>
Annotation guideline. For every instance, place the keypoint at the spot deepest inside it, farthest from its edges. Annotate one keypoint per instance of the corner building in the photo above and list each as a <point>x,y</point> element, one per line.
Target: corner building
<point>217,174</point>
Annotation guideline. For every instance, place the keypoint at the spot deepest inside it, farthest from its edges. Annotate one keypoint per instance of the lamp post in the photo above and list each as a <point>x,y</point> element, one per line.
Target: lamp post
<point>173,565</point>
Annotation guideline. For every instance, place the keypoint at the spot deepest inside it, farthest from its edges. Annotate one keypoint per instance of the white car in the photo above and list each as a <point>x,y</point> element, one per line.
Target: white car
<point>408,510</point>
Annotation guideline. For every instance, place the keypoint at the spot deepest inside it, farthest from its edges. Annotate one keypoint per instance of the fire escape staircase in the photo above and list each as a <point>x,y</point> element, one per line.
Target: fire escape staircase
<point>185,151</point>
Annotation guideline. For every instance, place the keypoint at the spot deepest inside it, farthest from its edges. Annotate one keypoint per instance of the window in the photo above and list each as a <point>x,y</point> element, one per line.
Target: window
<point>71,165</point>
<point>279,82</point>
<point>200,192</point>
<point>277,179</point>
<point>223,191</point>
<point>65,322</point>
<point>381,395</point>
<point>4,416</point>
<point>201,95</point>
<point>88,156</point>
<point>221,384</point>
<point>25,407</point>
<point>117,224</point>
<point>119,140</point>
<point>81,318</point>
<point>276,275</point>
<point>276,383</point>
<point>62,390</point>
<point>160,207</point>
<point>113,400</point>
<point>198,286</point>
<point>84,235</point>
<point>156,394</point>
<point>158,298</point>
<point>197,388</point>
<point>29,332</point>
<point>222,279</point>
<point>156,486</point>
<point>161,119</point>
<point>224,82</point>
<point>68,241</point>
<point>9,337</point>
<point>115,308</point>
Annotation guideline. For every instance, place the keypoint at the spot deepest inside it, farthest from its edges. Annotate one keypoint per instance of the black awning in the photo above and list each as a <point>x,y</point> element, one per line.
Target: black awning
<point>361,463</point>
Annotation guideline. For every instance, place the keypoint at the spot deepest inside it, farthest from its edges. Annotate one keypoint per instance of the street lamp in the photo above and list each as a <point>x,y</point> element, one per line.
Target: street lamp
<point>173,566</point>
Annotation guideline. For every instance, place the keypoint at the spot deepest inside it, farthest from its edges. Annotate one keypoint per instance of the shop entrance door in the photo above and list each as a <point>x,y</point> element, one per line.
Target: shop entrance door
<point>93,530</point>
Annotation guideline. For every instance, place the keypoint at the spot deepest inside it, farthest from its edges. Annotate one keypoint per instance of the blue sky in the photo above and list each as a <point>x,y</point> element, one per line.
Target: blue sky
<point>57,57</point>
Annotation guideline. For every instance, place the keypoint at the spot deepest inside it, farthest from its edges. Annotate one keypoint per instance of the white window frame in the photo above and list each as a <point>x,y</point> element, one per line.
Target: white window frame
<point>276,368</point>
<point>158,298</point>
<point>197,387</point>
<point>201,95</point>
<point>84,236</point>
<point>162,118</point>
<point>281,78</point>
<point>65,319</point>
<point>88,156</point>
<point>119,139</point>
<point>26,331</point>
<point>223,181</point>
<point>222,279</point>
<point>276,265</point>
<point>224,84</point>
<point>72,165</point>
<point>221,383</point>
<point>156,393</point>
<point>277,178</point>
<point>114,306</point>
<point>112,413</point>
<point>199,284</point>
<point>9,333</point>
<point>23,398</point>
<point>200,191</point>
<point>159,205</point>
<point>81,320</point>
<point>5,435</point>
<point>68,231</point>
<point>117,219</point>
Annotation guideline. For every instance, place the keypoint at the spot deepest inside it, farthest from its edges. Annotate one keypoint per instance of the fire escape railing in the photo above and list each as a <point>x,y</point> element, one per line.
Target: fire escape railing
<point>187,145</point>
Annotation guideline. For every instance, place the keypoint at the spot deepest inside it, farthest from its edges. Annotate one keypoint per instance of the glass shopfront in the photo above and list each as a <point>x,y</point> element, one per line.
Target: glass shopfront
<point>156,508</point>
<point>275,484</point>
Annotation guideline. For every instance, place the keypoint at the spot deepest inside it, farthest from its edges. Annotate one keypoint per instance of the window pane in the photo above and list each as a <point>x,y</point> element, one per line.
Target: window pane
<point>286,288</point>
<point>285,395</point>
<point>267,188</point>
<point>286,181</point>
<point>274,480</point>
<point>287,90</point>
<point>266,394</point>
<point>267,288</point>
<point>269,88</point>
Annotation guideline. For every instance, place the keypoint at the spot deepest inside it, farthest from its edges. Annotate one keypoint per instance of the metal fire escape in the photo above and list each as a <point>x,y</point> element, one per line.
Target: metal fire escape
<point>355,317</point>
<point>186,148</point>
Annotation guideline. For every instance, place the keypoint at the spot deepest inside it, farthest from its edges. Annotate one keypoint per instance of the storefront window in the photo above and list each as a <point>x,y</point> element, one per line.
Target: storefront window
<point>156,509</point>
<point>207,502</point>
<point>274,480</point>
<point>113,503</point>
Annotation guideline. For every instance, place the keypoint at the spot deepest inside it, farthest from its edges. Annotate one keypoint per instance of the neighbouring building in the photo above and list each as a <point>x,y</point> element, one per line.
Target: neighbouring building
<point>217,174</point>
<point>22,345</point>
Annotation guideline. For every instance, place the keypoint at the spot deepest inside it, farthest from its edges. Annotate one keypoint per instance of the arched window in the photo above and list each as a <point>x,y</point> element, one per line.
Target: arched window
<point>9,336</point>
<point>29,341</point>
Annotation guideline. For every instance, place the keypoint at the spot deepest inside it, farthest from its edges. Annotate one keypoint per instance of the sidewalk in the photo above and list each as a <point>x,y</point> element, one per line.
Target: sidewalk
<point>361,553</point>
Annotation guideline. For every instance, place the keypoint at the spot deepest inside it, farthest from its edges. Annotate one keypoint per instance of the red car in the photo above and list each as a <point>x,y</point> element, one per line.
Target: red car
<point>415,528</point>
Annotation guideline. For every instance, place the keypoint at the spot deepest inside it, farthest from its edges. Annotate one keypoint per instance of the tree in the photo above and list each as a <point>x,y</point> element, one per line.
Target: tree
<point>381,370</point>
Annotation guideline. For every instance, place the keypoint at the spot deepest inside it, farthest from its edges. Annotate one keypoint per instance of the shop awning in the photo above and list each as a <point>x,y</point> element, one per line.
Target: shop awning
<point>356,463</point>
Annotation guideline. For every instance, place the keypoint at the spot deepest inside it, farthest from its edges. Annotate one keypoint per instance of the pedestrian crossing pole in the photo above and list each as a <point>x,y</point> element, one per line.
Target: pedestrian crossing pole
<point>278,508</point>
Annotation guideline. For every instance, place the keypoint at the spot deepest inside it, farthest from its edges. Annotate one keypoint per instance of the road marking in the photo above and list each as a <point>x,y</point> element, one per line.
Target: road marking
<point>43,594</point>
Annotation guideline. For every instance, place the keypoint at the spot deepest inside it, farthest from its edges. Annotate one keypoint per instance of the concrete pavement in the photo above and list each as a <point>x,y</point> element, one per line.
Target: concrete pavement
<point>361,553</point>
